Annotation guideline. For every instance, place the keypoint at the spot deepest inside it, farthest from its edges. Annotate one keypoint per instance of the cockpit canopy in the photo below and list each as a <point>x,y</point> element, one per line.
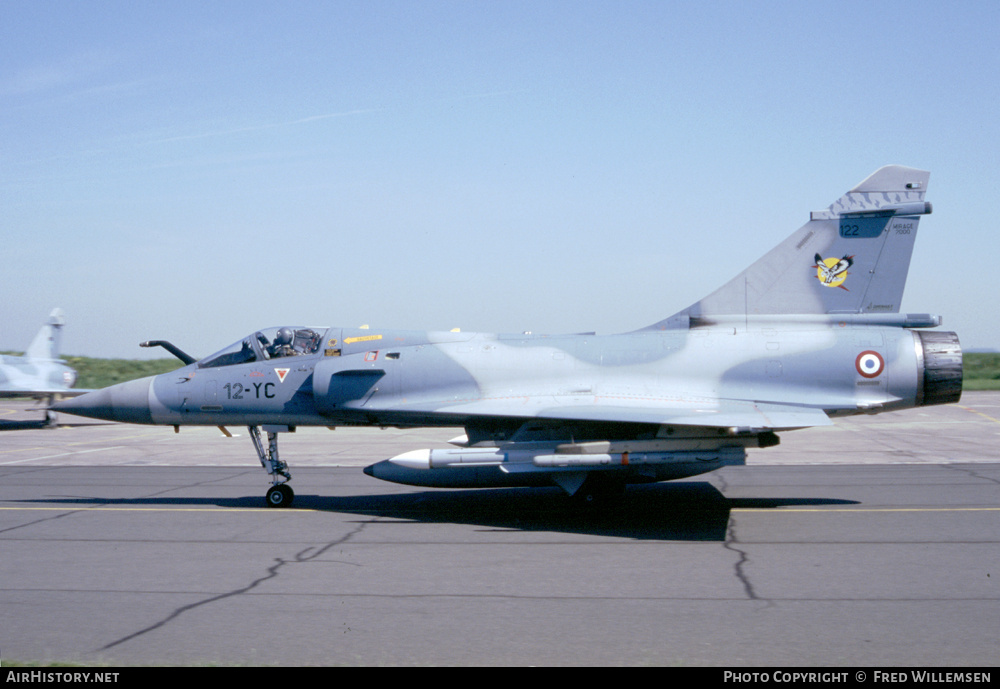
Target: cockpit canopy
<point>264,345</point>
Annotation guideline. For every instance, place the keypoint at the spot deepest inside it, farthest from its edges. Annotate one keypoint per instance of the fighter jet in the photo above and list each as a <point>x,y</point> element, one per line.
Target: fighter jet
<point>40,374</point>
<point>777,348</point>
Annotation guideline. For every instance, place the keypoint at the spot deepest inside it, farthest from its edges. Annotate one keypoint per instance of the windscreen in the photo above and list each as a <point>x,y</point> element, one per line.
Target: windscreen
<point>264,345</point>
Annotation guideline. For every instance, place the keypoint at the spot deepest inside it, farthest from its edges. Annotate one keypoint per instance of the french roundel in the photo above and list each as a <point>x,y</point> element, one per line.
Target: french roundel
<point>869,364</point>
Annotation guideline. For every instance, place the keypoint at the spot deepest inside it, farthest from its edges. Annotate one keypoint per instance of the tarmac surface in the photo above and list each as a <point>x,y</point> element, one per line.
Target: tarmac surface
<point>870,543</point>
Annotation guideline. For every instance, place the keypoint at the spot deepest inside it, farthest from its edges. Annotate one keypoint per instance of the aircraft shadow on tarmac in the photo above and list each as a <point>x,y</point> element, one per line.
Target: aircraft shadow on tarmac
<point>689,511</point>
<point>22,425</point>
<point>35,424</point>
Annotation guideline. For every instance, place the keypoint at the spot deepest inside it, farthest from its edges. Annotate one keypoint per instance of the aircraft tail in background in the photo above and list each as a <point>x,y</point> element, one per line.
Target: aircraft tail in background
<point>45,346</point>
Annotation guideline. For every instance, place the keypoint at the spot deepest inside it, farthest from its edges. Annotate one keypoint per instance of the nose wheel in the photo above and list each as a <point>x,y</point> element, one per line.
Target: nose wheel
<point>280,494</point>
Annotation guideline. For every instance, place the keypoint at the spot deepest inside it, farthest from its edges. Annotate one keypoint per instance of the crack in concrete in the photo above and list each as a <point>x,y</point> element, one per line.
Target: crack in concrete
<point>195,484</point>
<point>731,544</point>
<point>739,569</point>
<point>970,471</point>
<point>303,555</point>
<point>41,521</point>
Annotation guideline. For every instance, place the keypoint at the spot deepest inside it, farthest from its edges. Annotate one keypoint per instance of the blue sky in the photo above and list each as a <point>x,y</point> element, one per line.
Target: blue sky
<point>194,171</point>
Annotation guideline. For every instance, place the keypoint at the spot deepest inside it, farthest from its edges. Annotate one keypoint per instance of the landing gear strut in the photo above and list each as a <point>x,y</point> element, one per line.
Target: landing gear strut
<point>280,494</point>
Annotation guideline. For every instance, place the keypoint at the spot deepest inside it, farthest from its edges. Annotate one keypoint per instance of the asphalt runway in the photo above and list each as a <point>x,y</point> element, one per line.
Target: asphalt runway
<point>871,543</point>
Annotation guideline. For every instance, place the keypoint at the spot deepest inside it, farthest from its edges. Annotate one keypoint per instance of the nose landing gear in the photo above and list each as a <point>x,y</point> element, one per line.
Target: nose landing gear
<point>280,494</point>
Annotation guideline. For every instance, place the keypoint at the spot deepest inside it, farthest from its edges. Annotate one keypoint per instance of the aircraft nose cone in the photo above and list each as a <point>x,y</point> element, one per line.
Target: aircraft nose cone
<point>125,402</point>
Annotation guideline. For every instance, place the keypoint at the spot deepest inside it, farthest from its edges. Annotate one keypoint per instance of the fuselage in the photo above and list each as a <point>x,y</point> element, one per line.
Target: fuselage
<point>416,378</point>
<point>20,375</point>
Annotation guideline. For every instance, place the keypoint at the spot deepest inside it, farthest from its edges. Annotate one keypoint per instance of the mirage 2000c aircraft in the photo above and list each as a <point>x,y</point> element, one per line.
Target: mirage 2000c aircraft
<point>40,374</point>
<point>810,331</point>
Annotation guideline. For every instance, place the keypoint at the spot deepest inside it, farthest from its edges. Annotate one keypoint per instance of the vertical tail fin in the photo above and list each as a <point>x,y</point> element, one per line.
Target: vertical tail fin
<point>46,342</point>
<point>852,257</point>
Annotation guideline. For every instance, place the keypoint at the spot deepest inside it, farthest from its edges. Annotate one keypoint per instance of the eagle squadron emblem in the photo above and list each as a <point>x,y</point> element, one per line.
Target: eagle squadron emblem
<point>832,272</point>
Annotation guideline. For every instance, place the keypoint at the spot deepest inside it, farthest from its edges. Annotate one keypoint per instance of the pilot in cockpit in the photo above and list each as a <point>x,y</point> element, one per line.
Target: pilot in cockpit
<point>282,345</point>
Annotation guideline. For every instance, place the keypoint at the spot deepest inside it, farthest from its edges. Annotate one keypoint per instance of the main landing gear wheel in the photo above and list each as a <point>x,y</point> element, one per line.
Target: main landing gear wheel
<point>280,495</point>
